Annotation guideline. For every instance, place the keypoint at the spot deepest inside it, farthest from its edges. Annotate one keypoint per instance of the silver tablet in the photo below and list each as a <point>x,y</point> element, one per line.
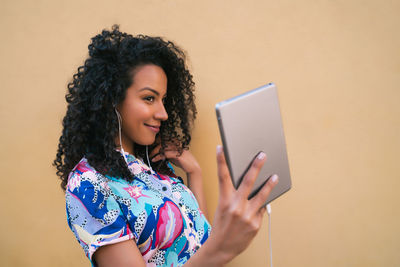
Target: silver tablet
<point>250,123</point>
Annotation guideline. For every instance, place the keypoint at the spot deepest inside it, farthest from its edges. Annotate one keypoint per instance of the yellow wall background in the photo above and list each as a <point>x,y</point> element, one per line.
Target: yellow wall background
<point>337,67</point>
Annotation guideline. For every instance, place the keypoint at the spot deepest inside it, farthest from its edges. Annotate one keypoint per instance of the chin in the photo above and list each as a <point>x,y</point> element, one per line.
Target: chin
<point>147,142</point>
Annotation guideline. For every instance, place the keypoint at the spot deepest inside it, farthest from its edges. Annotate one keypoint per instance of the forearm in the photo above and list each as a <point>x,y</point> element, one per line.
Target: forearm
<point>195,183</point>
<point>208,255</point>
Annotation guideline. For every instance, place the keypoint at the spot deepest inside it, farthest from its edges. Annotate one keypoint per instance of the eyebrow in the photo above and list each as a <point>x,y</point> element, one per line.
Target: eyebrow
<point>150,89</point>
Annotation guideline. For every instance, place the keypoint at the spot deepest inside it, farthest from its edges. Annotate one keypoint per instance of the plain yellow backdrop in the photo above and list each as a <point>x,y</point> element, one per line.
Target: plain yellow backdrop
<point>337,67</point>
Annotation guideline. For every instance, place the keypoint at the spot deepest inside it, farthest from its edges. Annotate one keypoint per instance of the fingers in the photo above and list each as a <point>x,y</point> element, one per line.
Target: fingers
<point>260,214</point>
<point>155,151</point>
<point>225,182</point>
<point>259,199</point>
<point>168,153</point>
<point>168,147</point>
<point>158,157</point>
<point>251,175</point>
<point>262,211</point>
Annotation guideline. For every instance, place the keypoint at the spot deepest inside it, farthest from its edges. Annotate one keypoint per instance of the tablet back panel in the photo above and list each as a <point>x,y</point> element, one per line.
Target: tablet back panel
<point>248,124</point>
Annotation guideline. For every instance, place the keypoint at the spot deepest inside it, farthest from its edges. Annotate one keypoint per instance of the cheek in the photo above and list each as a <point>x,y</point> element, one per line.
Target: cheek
<point>138,113</point>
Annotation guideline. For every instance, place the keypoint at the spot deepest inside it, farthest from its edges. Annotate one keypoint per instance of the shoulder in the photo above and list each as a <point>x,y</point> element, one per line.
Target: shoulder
<point>84,175</point>
<point>93,212</point>
<point>87,190</point>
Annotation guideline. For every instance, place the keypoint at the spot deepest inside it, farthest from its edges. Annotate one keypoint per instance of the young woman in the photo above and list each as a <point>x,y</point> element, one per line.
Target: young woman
<point>130,112</point>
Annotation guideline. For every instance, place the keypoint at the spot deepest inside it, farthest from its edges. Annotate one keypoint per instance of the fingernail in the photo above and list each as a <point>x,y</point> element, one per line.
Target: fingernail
<point>219,149</point>
<point>274,178</point>
<point>261,155</point>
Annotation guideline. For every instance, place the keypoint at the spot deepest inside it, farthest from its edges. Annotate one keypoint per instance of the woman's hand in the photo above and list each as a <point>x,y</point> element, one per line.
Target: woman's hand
<point>186,161</point>
<point>237,219</point>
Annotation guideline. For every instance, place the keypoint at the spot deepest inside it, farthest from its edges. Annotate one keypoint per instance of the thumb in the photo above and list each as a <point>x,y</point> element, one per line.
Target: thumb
<point>224,178</point>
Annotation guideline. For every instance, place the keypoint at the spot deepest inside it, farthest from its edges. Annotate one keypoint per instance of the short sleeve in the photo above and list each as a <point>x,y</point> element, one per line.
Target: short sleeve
<point>93,213</point>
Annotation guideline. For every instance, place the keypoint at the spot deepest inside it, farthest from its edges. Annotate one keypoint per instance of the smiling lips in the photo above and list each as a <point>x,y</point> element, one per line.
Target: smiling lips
<point>154,128</point>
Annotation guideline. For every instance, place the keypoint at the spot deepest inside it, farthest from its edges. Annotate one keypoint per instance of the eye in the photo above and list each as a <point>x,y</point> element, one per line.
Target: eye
<point>149,98</point>
<point>164,100</point>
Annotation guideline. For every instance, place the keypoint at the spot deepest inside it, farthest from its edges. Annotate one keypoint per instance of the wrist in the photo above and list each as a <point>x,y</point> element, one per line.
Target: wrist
<point>218,256</point>
<point>194,171</point>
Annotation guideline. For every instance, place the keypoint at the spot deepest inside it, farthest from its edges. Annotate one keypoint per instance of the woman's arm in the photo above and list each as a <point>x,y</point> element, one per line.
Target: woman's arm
<point>127,254</point>
<point>235,214</point>
<point>122,254</point>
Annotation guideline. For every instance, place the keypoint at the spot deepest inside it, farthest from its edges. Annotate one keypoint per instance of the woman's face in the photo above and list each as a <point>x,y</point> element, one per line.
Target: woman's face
<point>142,110</point>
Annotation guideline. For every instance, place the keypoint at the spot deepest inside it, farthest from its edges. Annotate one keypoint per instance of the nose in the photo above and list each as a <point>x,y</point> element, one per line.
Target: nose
<point>161,114</point>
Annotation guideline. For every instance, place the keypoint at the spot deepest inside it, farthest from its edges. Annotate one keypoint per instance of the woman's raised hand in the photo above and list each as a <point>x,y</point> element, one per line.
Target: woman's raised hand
<point>186,161</point>
<point>237,219</point>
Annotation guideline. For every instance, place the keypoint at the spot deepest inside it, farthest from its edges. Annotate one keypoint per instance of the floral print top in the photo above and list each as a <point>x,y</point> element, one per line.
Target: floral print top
<point>156,211</point>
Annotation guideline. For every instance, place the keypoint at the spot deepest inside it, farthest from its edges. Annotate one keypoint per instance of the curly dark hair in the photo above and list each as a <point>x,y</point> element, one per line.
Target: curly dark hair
<point>91,125</point>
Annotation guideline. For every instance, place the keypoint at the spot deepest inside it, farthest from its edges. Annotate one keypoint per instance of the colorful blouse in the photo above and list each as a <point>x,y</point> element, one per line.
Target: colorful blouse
<point>157,211</point>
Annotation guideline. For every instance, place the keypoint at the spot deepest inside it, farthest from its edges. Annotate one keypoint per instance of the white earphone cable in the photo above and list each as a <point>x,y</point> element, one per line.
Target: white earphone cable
<point>119,132</point>
<point>148,161</point>
<point>120,142</point>
<point>269,233</point>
